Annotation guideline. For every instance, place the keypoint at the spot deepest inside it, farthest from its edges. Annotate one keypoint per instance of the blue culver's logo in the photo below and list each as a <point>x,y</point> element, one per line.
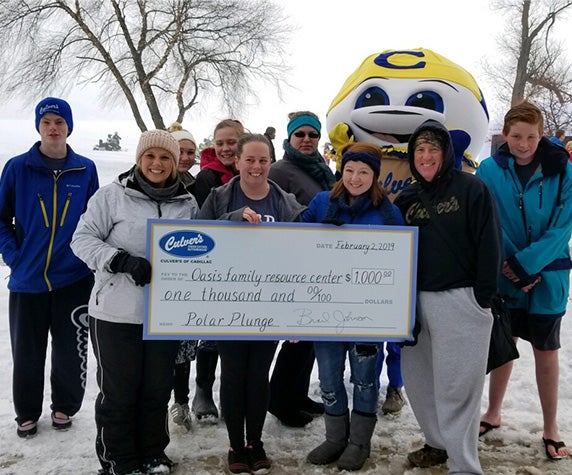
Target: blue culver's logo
<point>186,243</point>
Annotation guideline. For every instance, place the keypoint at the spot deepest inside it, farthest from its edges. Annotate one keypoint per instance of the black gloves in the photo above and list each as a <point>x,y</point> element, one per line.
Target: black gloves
<point>138,267</point>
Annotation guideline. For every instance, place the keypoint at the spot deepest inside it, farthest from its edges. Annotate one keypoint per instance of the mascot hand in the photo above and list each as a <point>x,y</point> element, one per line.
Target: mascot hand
<point>340,135</point>
<point>461,141</point>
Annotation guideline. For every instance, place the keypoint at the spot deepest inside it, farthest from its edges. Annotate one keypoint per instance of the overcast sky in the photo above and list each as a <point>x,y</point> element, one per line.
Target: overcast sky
<point>329,42</point>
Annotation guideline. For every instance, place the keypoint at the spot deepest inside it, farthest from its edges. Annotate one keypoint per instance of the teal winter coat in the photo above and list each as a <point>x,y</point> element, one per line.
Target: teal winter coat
<point>536,225</point>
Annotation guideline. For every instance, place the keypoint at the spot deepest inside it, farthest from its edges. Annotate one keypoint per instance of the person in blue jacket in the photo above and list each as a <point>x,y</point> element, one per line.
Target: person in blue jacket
<point>43,193</point>
<point>531,180</point>
<point>558,137</point>
<point>357,198</point>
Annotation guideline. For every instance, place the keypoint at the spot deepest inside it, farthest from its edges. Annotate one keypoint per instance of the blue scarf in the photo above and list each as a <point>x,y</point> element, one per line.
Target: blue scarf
<point>340,205</point>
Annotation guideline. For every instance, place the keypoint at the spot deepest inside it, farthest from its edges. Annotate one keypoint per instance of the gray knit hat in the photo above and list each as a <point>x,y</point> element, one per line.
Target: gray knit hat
<point>161,139</point>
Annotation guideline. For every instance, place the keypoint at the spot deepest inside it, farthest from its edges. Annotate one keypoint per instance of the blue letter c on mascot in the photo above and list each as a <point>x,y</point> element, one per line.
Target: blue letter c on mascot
<point>383,60</point>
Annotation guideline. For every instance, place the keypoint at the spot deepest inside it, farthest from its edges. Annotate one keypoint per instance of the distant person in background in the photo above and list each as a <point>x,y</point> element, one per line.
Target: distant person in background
<point>115,139</point>
<point>218,169</point>
<point>558,137</point>
<point>134,375</point>
<point>328,153</point>
<point>270,134</point>
<point>569,149</point>
<point>43,193</point>
<point>179,410</point>
<point>303,172</point>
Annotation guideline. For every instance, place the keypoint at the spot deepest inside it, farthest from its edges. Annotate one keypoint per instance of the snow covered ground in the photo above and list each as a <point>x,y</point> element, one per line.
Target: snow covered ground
<point>515,448</point>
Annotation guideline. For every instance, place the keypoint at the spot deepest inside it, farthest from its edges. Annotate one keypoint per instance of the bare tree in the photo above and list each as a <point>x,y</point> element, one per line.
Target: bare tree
<point>166,54</point>
<point>533,62</point>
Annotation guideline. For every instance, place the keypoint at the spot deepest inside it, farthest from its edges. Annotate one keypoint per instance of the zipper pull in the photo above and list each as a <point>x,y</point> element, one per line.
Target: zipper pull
<point>529,235</point>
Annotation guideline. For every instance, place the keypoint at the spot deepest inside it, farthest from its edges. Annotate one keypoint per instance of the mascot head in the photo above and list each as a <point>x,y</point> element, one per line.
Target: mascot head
<point>391,93</point>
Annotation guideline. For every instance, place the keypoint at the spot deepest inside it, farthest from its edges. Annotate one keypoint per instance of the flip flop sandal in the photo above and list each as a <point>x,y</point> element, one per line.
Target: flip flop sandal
<point>555,445</point>
<point>29,429</point>
<point>487,426</point>
<point>61,423</point>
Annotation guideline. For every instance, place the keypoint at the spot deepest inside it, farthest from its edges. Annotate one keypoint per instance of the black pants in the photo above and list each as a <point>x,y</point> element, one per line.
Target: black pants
<point>244,388</point>
<point>181,383</point>
<point>135,378</point>
<point>62,314</point>
<point>291,376</point>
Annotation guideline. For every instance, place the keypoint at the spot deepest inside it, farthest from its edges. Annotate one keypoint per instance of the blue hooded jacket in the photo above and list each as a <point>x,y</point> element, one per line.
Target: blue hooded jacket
<point>536,225</point>
<point>39,212</point>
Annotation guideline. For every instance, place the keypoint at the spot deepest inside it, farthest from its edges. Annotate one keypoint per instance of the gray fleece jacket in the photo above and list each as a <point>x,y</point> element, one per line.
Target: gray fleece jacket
<point>216,206</point>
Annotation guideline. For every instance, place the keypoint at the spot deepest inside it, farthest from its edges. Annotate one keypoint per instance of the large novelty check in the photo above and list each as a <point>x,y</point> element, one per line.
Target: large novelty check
<point>234,280</point>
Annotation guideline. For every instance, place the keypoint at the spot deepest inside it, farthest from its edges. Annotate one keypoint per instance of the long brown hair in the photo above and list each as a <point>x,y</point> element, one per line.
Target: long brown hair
<point>376,192</point>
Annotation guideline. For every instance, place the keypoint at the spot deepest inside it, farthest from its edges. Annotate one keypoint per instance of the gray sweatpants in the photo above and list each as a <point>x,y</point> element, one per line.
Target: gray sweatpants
<point>444,374</point>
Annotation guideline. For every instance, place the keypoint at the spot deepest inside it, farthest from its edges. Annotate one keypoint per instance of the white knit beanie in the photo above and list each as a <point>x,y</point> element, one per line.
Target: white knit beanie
<point>161,139</point>
<point>183,135</point>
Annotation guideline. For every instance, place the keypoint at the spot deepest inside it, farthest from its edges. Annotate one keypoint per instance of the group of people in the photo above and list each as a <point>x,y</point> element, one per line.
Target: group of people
<point>504,231</point>
<point>111,144</point>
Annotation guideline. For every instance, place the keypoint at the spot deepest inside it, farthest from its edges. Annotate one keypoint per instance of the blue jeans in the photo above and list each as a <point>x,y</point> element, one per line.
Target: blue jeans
<point>393,362</point>
<point>331,358</point>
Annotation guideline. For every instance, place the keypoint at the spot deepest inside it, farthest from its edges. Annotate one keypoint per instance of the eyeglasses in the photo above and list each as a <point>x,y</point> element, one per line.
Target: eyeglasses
<point>300,134</point>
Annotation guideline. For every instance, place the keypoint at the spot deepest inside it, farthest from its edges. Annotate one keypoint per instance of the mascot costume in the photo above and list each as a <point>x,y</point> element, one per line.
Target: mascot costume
<point>392,93</point>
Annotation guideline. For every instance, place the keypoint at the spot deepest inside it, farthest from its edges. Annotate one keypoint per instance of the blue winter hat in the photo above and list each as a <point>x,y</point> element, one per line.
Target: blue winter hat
<point>370,159</point>
<point>53,105</point>
<point>302,120</point>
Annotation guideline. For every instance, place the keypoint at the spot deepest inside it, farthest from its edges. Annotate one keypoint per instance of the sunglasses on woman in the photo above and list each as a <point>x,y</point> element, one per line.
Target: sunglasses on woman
<point>300,134</point>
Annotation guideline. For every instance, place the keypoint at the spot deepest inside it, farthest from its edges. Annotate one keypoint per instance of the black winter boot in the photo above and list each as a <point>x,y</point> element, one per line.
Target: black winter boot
<point>203,405</point>
<point>337,430</point>
<point>357,451</point>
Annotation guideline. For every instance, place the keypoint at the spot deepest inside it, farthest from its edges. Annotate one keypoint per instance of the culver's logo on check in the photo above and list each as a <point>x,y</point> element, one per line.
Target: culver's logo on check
<point>186,243</point>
